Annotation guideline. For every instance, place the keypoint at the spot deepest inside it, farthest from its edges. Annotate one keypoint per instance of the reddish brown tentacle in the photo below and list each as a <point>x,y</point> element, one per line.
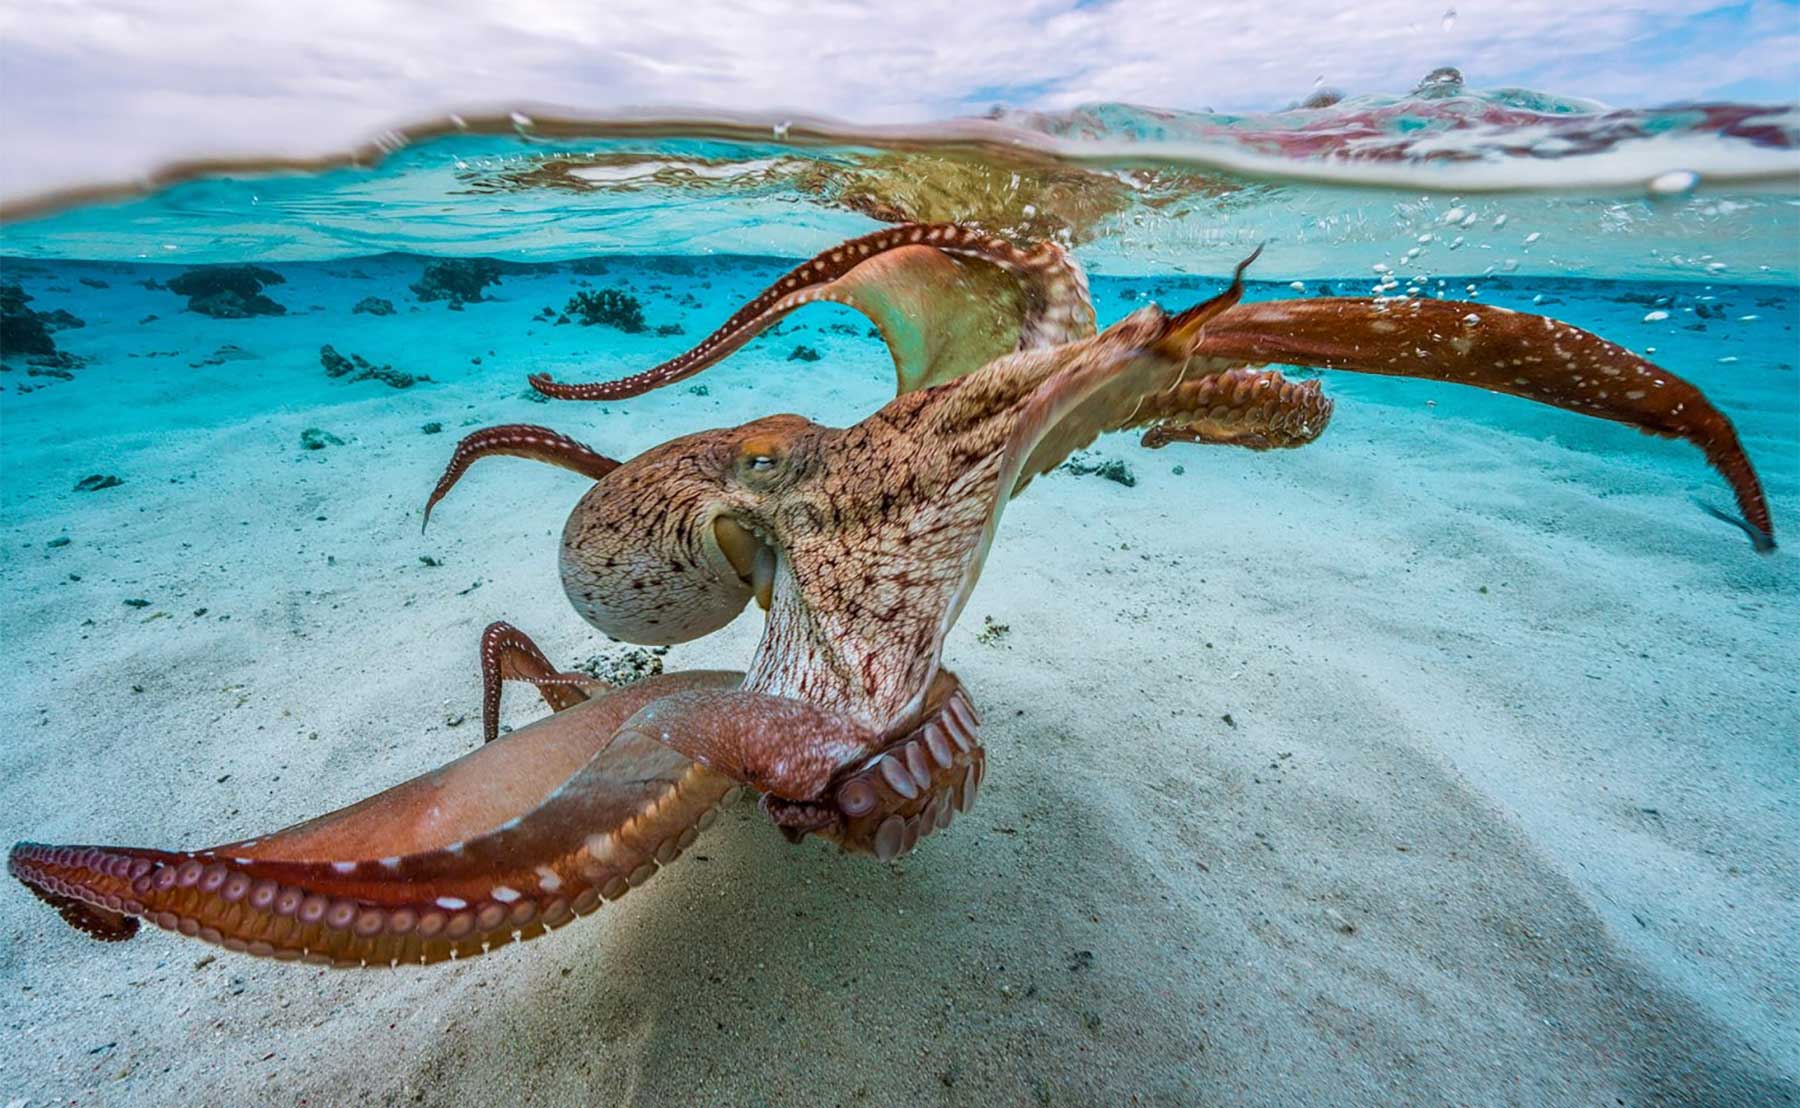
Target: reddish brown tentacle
<point>517,837</point>
<point>518,440</point>
<point>913,788</point>
<point>508,654</point>
<point>92,920</point>
<point>1056,309</point>
<point>1531,356</point>
<point>1186,326</point>
<point>1254,408</point>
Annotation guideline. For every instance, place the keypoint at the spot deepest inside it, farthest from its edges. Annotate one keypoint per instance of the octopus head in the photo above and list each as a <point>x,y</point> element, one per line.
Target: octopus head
<point>673,544</point>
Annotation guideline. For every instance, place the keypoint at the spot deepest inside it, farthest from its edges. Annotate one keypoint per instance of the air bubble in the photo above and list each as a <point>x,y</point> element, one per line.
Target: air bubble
<point>1678,182</point>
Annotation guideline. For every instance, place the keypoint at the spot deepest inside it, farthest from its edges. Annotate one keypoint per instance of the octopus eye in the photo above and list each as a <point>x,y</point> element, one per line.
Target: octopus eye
<point>761,457</point>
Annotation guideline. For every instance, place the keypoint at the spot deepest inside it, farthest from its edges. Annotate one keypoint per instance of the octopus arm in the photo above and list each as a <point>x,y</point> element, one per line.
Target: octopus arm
<point>508,654</point>
<point>1053,404</point>
<point>518,837</point>
<point>1530,356</point>
<point>518,440</point>
<point>1257,409</point>
<point>774,744</point>
<point>946,298</point>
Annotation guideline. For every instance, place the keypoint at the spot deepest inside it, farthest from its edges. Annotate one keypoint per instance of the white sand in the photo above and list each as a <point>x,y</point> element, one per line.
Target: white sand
<point>1528,845</point>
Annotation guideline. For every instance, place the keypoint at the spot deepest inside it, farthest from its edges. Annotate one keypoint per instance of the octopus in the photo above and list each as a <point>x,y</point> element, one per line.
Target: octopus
<point>861,544</point>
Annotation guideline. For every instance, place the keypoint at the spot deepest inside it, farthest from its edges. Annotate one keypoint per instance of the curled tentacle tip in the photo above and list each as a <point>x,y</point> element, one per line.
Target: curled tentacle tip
<point>431,502</point>
<point>1761,540</point>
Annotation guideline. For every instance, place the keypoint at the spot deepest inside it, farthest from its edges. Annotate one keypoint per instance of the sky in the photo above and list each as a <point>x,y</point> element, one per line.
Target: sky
<point>105,90</point>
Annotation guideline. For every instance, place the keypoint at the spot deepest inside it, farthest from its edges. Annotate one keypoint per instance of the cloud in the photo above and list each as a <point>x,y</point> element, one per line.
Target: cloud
<point>102,89</point>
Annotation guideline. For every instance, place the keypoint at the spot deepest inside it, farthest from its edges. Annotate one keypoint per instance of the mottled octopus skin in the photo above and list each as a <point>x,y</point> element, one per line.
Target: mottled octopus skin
<point>863,544</point>
<point>868,538</point>
<point>1002,298</point>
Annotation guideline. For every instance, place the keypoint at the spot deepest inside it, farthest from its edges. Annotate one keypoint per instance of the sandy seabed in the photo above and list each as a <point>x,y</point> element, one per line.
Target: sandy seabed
<point>1450,760</point>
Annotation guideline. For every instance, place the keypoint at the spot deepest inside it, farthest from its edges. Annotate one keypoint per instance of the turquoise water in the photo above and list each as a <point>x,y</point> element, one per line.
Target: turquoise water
<point>135,350</point>
<point>1458,744</point>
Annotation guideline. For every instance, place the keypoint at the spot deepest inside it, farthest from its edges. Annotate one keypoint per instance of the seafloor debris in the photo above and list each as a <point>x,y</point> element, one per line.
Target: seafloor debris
<point>28,333</point>
<point>609,306</point>
<point>1113,469</point>
<point>315,439</point>
<point>230,352</point>
<point>96,481</point>
<point>458,280</point>
<point>373,305</point>
<point>622,664</point>
<point>358,368</point>
<point>228,291</point>
<point>803,353</point>
<point>22,330</point>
